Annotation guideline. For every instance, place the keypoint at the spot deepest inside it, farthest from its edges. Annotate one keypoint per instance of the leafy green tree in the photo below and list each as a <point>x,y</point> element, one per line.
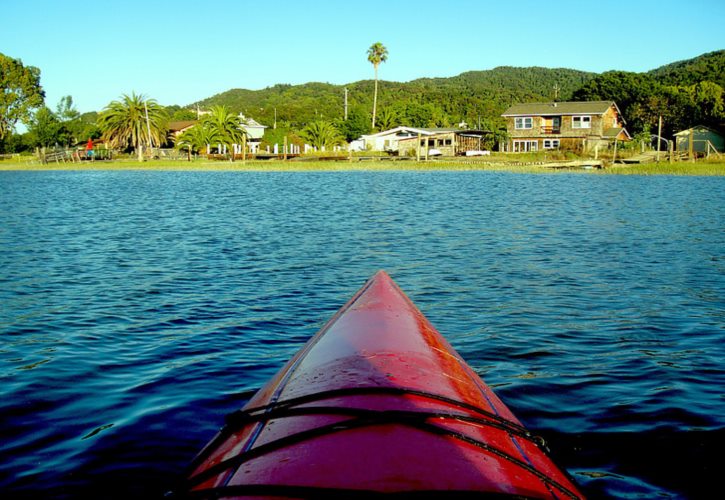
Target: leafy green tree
<point>65,111</point>
<point>124,123</point>
<point>707,99</point>
<point>179,114</point>
<point>625,88</point>
<point>20,93</point>
<point>377,53</point>
<point>497,133</point>
<point>71,119</point>
<point>45,129</point>
<point>426,115</point>
<point>16,143</point>
<point>226,126</point>
<point>321,134</point>
<point>278,136</point>
<point>356,125</point>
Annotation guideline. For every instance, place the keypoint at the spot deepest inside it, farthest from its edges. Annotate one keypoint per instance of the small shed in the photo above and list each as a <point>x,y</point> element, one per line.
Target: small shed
<point>704,140</point>
<point>445,142</point>
<point>388,140</point>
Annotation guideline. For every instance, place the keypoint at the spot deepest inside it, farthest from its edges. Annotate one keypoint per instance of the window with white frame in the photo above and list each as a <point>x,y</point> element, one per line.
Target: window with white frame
<point>551,143</point>
<point>525,146</point>
<point>523,122</point>
<point>581,122</point>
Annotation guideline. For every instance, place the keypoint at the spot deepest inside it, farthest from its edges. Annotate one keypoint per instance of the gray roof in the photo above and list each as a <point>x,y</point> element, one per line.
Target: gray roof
<point>559,108</point>
<point>613,132</point>
<point>698,128</point>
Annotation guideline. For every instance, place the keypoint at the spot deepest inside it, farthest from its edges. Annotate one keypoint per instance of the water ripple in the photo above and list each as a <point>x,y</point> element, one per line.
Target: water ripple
<point>137,308</point>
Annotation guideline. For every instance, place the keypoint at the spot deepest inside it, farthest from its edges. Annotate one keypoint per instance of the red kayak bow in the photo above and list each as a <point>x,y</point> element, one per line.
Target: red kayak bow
<point>376,403</point>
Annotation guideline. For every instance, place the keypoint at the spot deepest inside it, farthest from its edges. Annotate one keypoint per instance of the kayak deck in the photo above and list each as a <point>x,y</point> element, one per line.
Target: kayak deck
<point>377,402</point>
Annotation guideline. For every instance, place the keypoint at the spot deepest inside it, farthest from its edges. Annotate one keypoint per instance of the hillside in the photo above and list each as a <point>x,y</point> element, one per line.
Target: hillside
<point>476,97</point>
<point>707,67</point>
<point>434,101</point>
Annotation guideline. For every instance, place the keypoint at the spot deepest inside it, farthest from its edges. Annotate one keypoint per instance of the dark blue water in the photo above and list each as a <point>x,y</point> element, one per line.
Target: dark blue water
<point>135,307</point>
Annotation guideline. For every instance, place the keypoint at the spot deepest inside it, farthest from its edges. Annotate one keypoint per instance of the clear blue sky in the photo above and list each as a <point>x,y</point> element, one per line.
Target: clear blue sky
<point>182,51</point>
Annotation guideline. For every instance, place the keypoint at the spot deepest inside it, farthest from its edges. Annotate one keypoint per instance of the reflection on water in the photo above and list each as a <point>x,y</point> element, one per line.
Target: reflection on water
<point>136,308</point>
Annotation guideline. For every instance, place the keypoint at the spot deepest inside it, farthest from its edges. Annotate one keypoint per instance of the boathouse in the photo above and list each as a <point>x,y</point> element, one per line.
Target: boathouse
<point>704,140</point>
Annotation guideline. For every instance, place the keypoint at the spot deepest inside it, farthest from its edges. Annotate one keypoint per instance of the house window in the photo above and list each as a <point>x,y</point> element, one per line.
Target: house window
<point>581,122</point>
<point>524,122</point>
<point>525,146</point>
<point>551,143</point>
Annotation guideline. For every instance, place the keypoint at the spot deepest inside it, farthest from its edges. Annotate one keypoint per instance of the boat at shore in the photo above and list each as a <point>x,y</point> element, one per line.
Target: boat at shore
<point>377,403</point>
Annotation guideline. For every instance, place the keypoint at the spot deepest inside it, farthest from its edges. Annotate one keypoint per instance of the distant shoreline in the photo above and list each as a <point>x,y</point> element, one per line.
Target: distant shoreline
<point>704,168</point>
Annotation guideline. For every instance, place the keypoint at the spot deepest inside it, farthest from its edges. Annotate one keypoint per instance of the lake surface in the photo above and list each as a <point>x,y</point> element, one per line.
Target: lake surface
<point>136,308</point>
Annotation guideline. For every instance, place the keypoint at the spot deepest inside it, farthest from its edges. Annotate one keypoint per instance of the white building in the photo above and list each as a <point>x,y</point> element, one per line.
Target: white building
<point>387,140</point>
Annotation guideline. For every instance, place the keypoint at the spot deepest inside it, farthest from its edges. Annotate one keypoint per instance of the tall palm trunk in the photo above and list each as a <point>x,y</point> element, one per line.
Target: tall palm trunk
<point>375,95</point>
<point>377,53</point>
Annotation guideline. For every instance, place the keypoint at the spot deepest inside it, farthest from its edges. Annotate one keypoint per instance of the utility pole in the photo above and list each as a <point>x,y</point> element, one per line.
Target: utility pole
<point>345,103</point>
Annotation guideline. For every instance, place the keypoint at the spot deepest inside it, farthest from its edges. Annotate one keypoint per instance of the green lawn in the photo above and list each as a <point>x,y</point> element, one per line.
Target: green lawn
<point>505,163</point>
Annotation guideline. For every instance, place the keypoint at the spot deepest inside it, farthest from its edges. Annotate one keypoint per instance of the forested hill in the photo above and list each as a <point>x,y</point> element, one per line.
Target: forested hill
<point>476,97</point>
<point>423,102</point>
<point>707,67</point>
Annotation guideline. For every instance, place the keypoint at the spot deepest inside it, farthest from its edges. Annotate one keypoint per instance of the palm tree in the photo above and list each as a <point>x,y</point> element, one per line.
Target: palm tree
<point>133,121</point>
<point>226,126</point>
<point>321,134</point>
<point>377,53</point>
<point>196,138</point>
<point>388,118</point>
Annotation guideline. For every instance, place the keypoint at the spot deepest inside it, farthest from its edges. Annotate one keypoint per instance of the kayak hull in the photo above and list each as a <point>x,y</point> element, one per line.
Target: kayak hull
<point>376,402</point>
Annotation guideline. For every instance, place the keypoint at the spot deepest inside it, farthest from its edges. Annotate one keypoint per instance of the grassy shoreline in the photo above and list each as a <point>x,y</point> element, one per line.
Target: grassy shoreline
<point>703,168</point>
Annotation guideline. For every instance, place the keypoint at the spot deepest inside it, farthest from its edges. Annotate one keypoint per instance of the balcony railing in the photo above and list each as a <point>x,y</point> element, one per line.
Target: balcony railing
<point>551,130</point>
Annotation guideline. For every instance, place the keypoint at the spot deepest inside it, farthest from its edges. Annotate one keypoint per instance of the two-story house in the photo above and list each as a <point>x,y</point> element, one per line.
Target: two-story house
<point>570,125</point>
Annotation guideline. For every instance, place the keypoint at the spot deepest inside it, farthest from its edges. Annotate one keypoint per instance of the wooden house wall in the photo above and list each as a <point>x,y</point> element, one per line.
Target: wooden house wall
<point>568,136</point>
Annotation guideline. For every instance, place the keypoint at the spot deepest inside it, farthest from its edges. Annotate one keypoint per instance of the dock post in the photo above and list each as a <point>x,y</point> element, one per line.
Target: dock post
<point>659,138</point>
